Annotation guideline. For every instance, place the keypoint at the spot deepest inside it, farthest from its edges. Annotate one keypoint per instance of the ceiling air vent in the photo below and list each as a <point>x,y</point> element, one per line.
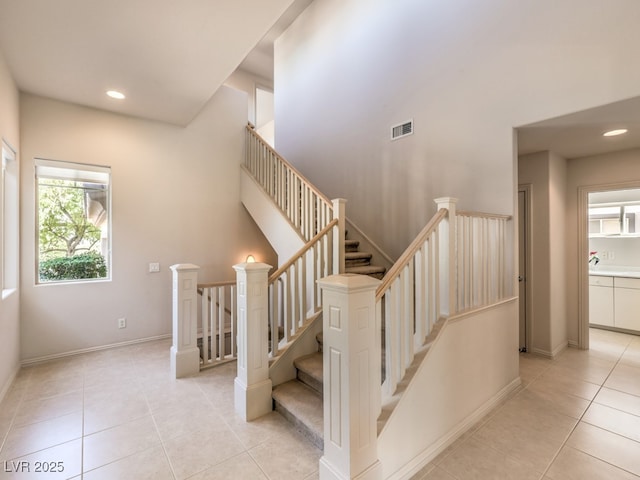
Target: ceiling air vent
<point>402,130</point>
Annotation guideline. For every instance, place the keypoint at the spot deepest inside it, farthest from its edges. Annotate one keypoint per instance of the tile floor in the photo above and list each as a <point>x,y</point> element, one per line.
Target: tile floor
<point>117,415</point>
<point>576,417</point>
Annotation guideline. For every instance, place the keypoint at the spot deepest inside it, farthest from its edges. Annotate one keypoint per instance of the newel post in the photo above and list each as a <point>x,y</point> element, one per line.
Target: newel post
<point>448,262</point>
<point>252,386</point>
<point>351,366</point>
<point>339,208</point>
<point>185,355</point>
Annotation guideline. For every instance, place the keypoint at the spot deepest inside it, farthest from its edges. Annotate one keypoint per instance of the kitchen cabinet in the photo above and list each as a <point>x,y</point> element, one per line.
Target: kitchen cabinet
<point>627,303</point>
<point>601,305</point>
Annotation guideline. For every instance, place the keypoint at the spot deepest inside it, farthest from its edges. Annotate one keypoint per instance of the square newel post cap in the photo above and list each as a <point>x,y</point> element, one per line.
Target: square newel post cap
<point>252,267</point>
<point>446,202</point>
<point>184,267</point>
<point>349,282</point>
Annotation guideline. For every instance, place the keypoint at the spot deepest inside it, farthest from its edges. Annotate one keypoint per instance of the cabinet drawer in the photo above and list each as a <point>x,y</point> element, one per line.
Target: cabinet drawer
<point>622,282</point>
<point>601,281</point>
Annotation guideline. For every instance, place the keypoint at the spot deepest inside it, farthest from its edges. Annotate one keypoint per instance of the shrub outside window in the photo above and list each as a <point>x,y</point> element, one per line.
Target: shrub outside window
<point>73,219</point>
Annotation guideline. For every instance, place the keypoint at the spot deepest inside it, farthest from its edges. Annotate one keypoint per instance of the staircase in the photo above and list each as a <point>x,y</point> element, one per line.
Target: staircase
<point>300,400</point>
<point>360,262</point>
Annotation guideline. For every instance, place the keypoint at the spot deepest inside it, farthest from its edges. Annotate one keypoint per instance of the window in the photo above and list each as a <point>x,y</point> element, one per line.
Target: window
<point>9,220</point>
<point>73,221</point>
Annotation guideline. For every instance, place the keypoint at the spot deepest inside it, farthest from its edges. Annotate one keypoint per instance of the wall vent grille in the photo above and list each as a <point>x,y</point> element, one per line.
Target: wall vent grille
<point>402,130</point>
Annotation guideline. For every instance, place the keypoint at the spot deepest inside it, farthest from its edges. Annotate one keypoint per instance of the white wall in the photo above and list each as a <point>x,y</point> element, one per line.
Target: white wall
<point>597,173</point>
<point>10,301</point>
<point>467,72</point>
<point>546,173</point>
<point>469,369</point>
<point>175,199</point>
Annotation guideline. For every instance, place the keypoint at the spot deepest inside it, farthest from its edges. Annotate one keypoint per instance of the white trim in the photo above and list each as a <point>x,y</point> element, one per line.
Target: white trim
<point>46,358</point>
<point>550,354</point>
<point>435,449</point>
<point>466,313</point>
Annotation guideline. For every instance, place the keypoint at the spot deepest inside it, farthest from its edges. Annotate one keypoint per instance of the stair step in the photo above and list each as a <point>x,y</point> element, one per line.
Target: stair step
<point>302,406</point>
<point>310,370</point>
<point>371,270</point>
<point>355,259</point>
<point>351,245</point>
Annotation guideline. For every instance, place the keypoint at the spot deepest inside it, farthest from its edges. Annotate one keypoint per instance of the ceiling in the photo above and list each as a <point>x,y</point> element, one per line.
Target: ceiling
<point>580,134</point>
<point>167,57</point>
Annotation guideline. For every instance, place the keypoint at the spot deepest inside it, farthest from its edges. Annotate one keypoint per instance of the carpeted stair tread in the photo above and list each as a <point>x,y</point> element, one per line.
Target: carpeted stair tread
<point>302,406</point>
<point>351,245</point>
<point>357,257</point>
<point>310,370</point>
<point>372,270</point>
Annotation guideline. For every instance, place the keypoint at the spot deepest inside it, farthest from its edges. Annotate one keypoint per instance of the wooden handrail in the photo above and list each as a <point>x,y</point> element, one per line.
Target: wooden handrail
<point>226,283</point>
<point>411,250</point>
<point>274,276</point>
<point>291,167</point>
<point>497,216</point>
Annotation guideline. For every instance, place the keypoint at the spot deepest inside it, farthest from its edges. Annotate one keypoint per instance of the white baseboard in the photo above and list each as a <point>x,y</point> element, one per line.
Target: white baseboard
<point>553,354</point>
<point>420,461</point>
<point>32,361</point>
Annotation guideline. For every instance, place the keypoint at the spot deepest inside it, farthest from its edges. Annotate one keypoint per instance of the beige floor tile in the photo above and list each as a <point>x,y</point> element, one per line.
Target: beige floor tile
<point>111,392</point>
<point>59,462</point>
<point>478,461</point>
<point>532,366</point>
<point>119,442</point>
<point>186,422</point>
<point>564,403</point>
<point>151,464</point>
<point>240,467</point>
<point>109,413</point>
<point>313,476</point>
<point>527,430</point>
<point>34,437</point>
<point>558,380</point>
<point>287,456</point>
<point>625,378</point>
<point>613,420</point>
<point>200,450</point>
<point>572,464</point>
<point>583,366</point>
<point>51,387</point>
<point>631,357</point>
<point>438,474</point>
<point>259,430</point>
<point>32,411</point>
<point>606,446</point>
<point>620,400</point>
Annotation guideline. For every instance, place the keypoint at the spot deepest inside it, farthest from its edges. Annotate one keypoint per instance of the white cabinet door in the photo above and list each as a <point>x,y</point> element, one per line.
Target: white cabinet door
<point>601,305</point>
<point>627,306</point>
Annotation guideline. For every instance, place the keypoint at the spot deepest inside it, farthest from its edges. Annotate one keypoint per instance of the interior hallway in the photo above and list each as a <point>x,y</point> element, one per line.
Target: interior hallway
<point>116,414</point>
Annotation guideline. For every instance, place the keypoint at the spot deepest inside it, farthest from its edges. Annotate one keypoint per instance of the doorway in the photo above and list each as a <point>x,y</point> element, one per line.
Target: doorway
<point>609,236</point>
<point>524,262</point>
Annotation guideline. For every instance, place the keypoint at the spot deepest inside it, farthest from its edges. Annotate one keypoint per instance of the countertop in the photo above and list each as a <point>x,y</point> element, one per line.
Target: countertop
<point>615,271</point>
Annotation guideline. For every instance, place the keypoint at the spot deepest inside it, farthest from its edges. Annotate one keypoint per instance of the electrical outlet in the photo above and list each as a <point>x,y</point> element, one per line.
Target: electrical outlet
<point>122,322</point>
<point>154,267</point>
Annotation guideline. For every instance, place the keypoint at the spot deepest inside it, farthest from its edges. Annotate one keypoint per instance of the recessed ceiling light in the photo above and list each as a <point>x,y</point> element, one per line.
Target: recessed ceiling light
<point>613,133</point>
<point>115,94</point>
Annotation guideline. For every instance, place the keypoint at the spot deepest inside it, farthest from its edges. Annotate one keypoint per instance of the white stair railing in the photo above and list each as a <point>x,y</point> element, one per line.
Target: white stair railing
<point>307,209</point>
<point>217,323</point>
<point>456,263</point>
<point>294,294</point>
